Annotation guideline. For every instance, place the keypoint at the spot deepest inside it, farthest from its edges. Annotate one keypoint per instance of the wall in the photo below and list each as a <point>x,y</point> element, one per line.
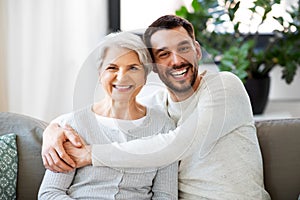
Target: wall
<point>137,14</point>
<point>280,90</point>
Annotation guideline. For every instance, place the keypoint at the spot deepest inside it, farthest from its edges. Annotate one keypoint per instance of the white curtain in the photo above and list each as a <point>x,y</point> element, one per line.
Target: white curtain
<point>46,42</point>
<point>3,34</point>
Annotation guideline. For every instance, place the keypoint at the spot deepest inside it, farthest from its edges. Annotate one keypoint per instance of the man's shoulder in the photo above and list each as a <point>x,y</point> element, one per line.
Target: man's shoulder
<point>230,77</point>
<point>227,81</point>
<point>226,77</point>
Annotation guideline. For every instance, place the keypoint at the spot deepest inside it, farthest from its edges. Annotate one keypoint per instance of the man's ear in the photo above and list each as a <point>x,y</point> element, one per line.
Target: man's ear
<point>198,50</point>
<point>155,68</point>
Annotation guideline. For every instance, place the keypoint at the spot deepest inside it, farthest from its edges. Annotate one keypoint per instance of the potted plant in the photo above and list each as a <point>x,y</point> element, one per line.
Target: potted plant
<point>240,48</point>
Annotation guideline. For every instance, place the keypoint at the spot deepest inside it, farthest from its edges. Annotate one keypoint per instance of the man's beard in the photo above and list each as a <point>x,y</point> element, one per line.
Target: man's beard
<point>185,87</point>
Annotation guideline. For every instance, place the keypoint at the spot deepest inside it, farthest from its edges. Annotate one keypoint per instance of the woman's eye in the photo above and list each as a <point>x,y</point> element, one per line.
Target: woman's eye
<point>111,68</point>
<point>135,67</point>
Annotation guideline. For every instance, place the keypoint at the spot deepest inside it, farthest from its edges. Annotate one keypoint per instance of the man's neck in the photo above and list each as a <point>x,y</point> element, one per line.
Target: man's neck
<point>181,96</point>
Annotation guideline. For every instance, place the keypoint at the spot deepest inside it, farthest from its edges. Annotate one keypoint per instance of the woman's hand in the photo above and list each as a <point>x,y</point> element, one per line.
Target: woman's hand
<point>54,156</point>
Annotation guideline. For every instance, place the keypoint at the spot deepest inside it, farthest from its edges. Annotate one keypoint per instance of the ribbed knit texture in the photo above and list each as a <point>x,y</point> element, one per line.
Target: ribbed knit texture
<point>112,183</point>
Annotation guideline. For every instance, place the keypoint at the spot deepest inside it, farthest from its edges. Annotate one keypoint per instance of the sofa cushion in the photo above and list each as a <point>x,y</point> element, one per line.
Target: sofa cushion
<point>29,140</point>
<point>279,143</point>
<point>8,166</point>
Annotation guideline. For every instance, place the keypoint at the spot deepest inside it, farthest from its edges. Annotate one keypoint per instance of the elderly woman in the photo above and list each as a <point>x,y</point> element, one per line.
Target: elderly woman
<point>118,117</point>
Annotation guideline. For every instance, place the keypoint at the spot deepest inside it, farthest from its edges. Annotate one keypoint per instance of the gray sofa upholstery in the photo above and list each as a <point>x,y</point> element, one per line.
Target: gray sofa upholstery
<point>280,145</point>
<point>29,140</point>
<point>279,142</point>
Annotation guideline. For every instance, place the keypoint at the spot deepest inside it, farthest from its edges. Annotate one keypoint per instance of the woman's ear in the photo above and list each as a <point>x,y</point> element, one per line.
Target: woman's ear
<point>99,77</point>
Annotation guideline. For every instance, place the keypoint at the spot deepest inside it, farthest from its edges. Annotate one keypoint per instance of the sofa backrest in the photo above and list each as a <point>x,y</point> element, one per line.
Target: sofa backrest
<point>280,145</point>
<point>279,142</point>
<point>29,140</point>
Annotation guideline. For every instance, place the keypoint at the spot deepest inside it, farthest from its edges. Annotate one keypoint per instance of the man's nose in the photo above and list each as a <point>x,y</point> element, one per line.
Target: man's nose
<point>176,58</point>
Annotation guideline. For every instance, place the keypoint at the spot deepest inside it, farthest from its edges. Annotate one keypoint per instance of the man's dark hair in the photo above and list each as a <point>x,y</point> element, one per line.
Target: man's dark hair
<point>167,22</point>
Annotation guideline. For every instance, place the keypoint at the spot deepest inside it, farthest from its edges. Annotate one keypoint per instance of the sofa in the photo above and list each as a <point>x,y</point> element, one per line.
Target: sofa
<point>279,142</point>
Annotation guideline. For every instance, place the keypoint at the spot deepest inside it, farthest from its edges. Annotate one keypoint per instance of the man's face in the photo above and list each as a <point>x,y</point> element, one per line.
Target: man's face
<point>176,56</point>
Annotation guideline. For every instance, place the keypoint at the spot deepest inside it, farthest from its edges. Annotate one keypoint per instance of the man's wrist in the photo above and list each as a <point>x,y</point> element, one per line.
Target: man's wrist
<point>88,157</point>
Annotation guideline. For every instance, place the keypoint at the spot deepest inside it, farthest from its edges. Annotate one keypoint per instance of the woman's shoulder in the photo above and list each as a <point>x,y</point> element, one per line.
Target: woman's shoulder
<point>68,118</point>
<point>160,116</point>
<point>63,119</point>
<point>156,112</point>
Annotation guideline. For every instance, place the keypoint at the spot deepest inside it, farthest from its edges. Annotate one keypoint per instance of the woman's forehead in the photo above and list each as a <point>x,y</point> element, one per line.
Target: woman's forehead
<point>118,54</point>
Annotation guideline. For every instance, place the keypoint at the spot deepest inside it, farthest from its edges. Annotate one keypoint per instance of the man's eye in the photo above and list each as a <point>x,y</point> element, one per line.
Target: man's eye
<point>184,49</point>
<point>163,54</point>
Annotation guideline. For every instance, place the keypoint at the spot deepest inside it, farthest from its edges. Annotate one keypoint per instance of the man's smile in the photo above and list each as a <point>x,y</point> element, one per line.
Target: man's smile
<point>180,73</point>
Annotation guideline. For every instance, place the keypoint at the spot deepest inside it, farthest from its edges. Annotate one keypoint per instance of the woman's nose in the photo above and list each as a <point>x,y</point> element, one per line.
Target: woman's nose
<point>121,74</point>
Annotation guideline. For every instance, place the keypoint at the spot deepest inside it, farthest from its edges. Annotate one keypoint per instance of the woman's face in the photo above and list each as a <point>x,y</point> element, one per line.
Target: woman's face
<point>122,75</point>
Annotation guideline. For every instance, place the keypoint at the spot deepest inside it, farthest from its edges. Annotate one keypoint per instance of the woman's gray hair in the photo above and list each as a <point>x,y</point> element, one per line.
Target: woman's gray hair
<point>129,41</point>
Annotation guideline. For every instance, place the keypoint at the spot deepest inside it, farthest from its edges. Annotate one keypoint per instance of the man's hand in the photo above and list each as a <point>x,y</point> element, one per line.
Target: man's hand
<point>54,155</point>
<point>81,156</point>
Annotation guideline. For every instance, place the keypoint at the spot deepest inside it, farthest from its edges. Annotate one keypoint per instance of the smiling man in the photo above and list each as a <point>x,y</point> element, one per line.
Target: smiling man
<point>215,139</point>
<point>174,62</point>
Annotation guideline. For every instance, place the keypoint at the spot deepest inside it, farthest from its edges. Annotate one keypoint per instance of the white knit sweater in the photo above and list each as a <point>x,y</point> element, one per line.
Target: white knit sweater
<point>215,140</point>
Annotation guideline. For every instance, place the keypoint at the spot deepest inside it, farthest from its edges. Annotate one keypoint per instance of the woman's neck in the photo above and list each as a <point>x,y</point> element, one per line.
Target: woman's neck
<point>129,110</point>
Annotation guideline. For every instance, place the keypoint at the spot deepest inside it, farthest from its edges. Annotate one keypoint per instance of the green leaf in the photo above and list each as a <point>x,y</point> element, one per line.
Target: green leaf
<point>196,5</point>
<point>277,1</point>
<point>237,52</point>
<point>182,11</point>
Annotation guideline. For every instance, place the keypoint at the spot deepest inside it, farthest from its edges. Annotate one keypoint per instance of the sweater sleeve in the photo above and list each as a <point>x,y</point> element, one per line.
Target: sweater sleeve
<point>222,106</point>
<point>165,184</point>
<point>54,186</point>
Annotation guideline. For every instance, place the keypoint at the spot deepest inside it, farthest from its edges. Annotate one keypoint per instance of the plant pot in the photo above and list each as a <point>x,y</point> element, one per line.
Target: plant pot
<point>258,91</point>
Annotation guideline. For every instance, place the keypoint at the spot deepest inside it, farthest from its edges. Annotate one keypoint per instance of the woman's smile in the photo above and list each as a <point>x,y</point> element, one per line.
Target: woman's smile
<point>123,88</point>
